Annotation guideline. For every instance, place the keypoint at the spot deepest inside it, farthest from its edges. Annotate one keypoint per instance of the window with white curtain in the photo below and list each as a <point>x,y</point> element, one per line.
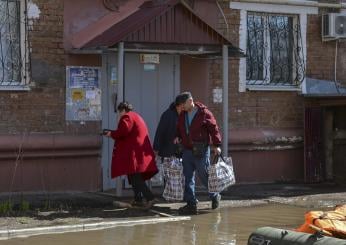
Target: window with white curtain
<point>274,50</point>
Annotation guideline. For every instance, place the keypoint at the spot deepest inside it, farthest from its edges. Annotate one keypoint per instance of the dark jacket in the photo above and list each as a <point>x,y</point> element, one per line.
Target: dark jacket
<point>166,132</point>
<point>203,128</point>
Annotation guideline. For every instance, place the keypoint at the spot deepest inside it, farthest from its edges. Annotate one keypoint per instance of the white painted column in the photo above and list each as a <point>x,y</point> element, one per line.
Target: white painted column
<point>303,29</point>
<point>119,183</point>
<point>225,100</point>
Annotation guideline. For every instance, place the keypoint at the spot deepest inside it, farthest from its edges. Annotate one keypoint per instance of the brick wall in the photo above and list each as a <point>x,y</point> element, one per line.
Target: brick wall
<point>42,109</point>
<point>321,55</point>
<point>53,148</point>
<point>274,109</point>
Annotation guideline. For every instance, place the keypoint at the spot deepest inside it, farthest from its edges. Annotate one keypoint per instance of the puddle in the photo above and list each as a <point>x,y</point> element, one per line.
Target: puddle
<point>227,226</point>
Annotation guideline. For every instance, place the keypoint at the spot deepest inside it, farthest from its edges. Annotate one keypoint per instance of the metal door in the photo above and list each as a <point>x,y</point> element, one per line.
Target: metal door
<point>150,88</point>
<point>313,145</point>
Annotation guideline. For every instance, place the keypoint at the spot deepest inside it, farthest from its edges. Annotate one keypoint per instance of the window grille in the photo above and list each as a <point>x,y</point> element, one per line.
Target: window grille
<point>274,50</point>
<point>12,43</point>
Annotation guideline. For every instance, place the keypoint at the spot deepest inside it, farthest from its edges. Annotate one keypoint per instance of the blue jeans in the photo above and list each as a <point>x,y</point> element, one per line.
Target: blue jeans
<point>200,165</point>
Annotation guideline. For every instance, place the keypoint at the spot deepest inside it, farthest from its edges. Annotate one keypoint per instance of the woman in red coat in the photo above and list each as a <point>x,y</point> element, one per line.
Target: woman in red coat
<point>133,154</point>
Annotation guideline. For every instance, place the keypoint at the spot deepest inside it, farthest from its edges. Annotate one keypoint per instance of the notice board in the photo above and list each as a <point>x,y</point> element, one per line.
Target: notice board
<point>83,93</point>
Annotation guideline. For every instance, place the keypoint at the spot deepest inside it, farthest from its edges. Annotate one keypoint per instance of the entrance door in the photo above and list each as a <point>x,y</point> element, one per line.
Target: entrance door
<point>313,145</point>
<point>151,88</point>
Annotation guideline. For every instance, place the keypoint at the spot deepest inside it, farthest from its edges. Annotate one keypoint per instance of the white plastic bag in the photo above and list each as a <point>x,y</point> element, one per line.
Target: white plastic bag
<point>158,179</point>
<point>221,174</point>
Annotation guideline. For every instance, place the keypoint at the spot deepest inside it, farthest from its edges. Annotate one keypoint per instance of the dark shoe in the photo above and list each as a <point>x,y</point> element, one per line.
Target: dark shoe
<point>215,202</point>
<point>188,209</point>
<point>137,203</point>
<point>150,204</point>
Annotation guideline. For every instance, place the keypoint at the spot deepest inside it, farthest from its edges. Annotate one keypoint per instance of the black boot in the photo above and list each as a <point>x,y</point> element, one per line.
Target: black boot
<point>188,209</point>
<point>215,202</point>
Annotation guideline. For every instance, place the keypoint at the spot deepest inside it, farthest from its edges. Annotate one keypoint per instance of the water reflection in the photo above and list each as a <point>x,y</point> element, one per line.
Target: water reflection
<point>227,226</point>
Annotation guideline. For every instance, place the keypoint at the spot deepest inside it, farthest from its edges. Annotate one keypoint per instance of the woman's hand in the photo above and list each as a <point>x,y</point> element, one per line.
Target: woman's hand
<point>107,132</point>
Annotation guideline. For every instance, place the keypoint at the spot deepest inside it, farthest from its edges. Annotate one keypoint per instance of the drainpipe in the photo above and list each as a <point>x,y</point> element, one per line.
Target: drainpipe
<point>119,184</point>
<point>299,3</point>
<point>225,100</point>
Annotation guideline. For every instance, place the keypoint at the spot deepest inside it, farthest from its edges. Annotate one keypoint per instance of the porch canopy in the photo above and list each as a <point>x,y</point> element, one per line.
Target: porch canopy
<point>324,93</point>
<point>158,25</point>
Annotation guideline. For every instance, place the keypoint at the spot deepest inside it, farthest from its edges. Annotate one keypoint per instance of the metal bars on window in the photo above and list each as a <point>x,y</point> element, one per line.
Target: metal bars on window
<point>274,50</point>
<point>12,53</point>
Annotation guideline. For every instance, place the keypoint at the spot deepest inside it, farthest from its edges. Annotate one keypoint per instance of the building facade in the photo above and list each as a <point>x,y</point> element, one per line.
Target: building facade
<point>276,96</point>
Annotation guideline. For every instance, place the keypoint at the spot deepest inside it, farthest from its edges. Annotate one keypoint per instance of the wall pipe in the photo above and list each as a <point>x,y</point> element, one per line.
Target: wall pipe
<point>225,100</point>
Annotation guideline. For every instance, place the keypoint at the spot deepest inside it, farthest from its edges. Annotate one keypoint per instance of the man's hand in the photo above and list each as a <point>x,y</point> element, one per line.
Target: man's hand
<point>176,140</point>
<point>217,150</point>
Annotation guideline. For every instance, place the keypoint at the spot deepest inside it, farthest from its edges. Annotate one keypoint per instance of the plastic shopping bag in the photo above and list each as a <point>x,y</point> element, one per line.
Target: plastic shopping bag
<point>173,173</point>
<point>221,174</point>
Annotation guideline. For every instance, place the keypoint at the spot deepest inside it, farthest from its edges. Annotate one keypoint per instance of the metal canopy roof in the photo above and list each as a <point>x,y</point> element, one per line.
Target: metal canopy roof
<point>323,88</point>
<point>165,25</point>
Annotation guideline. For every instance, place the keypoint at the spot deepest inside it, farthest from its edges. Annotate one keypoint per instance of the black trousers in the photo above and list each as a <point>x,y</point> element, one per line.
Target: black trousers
<point>140,188</point>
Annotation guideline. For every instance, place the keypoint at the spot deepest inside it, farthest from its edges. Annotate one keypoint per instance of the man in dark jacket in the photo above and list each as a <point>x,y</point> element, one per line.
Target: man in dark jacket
<point>197,131</point>
<point>166,131</point>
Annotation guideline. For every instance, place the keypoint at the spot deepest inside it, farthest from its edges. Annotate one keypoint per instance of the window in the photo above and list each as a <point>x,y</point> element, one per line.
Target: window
<point>274,50</point>
<point>12,45</point>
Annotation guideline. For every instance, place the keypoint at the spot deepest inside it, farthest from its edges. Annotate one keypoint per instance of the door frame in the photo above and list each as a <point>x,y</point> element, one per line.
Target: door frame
<point>107,101</point>
<point>108,120</point>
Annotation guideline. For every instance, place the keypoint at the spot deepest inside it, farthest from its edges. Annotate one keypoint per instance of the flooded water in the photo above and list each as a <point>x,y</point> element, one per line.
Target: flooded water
<point>225,226</point>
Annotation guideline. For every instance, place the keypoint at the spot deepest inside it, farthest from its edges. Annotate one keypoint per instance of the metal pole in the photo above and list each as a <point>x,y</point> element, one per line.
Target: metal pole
<point>225,100</point>
<point>119,183</point>
<point>121,72</point>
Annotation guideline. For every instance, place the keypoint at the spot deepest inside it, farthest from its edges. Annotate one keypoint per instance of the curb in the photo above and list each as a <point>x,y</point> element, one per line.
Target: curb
<point>23,233</point>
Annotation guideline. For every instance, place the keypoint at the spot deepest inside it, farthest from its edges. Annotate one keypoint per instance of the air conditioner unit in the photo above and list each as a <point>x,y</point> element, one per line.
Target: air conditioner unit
<point>333,26</point>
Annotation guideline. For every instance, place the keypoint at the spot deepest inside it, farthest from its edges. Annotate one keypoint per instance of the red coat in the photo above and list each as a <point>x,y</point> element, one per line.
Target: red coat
<point>203,128</point>
<point>132,152</point>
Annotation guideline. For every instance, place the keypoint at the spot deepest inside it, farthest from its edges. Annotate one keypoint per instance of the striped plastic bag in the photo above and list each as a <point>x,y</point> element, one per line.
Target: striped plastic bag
<point>173,172</point>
